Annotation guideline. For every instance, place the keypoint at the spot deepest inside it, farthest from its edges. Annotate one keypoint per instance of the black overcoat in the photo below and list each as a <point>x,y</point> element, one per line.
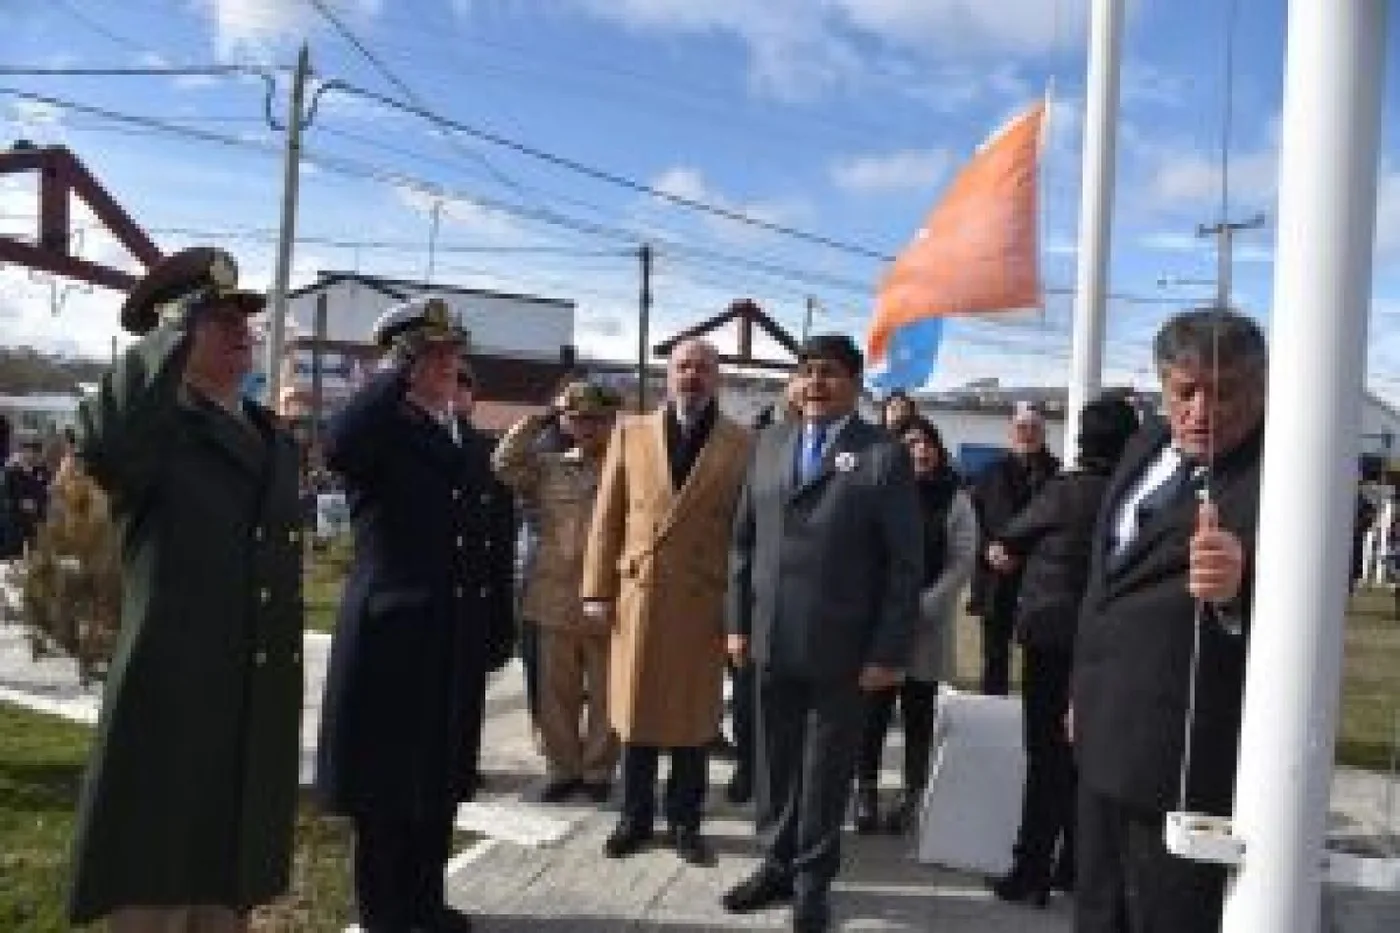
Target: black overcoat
<point>1132,665</point>
<point>427,609</point>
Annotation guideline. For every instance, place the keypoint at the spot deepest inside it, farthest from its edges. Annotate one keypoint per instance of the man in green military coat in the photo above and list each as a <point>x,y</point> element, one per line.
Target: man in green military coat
<point>186,814</point>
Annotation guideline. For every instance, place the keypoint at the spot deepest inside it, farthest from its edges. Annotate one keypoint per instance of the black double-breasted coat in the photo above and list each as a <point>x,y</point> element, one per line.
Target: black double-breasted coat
<point>427,609</point>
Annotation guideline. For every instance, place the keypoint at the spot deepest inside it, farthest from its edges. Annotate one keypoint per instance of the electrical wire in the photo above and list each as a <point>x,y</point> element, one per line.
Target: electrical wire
<point>615,179</point>
<point>387,73</point>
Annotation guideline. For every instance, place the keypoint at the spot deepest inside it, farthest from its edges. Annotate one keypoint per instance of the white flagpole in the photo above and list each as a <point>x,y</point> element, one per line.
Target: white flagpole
<point>1322,285</point>
<point>1095,214</point>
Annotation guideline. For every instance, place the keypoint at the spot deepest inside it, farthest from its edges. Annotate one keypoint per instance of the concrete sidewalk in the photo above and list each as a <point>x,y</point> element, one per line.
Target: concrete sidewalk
<point>541,867</point>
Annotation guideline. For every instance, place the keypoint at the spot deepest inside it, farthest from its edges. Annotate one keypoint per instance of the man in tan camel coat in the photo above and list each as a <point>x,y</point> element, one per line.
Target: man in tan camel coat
<point>656,568</point>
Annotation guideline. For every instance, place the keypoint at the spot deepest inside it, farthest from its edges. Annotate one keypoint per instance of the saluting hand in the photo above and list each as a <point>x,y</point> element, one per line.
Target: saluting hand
<point>1000,559</point>
<point>1217,558</point>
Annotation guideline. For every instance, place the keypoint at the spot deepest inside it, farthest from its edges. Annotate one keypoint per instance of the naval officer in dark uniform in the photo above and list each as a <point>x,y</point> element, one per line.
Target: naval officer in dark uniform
<point>426,613</point>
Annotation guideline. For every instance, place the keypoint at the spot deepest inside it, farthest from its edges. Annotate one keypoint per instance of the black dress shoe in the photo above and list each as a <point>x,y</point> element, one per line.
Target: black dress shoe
<point>627,839</point>
<point>901,817</point>
<point>1022,886</point>
<point>867,810</point>
<point>740,789</point>
<point>599,792</point>
<point>558,790</point>
<point>447,920</point>
<point>811,913</point>
<point>721,747</point>
<point>763,888</point>
<point>1062,878</point>
<point>691,846</point>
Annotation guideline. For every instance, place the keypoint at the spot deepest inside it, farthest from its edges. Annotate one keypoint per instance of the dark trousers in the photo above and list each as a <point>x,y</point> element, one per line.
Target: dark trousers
<point>997,625</point>
<point>916,699</point>
<point>399,860</point>
<point>808,732</point>
<point>1126,880</point>
<point>685,785</point>
<point>1047,809</point>
<point>741,714</point>
<point>530,661</point>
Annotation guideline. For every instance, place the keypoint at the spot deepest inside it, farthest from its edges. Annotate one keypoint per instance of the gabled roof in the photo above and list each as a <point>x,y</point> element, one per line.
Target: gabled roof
<point>402,289</point>
<point>747,312</point>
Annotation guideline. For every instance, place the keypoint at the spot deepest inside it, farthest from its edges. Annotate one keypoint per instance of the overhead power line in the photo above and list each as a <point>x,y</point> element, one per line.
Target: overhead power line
<point>387,73</point>
<point>352,168</point>
<point>198,71</point>
<point>613,178</point>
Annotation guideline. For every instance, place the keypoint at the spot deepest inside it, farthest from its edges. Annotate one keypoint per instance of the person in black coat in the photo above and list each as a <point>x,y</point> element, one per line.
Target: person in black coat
<point>26,480</point>
<point>427,611</point>
<point>999,494</point>
<point>1051,539</point>
<point>1167,567</point>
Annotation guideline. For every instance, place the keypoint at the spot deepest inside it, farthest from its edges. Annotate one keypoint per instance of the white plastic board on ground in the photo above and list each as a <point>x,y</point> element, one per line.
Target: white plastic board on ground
<point>972,806</point>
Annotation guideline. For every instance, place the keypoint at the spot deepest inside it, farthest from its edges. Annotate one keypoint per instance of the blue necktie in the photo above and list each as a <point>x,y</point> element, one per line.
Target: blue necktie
<point>811,463</point>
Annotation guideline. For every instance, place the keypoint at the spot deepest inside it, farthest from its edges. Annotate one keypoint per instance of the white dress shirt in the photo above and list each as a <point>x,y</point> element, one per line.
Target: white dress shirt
<point>1125,523</point>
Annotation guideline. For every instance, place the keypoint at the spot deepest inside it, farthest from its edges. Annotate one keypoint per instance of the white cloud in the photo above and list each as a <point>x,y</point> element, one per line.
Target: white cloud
<point>1186,180</point>
<point>690,183</point>
<point>256,29</point>
<point>484,223</point>
<point>800,48</point>
<point>35,117</point>
<point>907,170</point>
<point>1024,26</point>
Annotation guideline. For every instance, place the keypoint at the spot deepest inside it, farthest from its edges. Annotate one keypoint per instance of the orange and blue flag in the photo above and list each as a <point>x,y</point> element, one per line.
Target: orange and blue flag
<point>977,252</point>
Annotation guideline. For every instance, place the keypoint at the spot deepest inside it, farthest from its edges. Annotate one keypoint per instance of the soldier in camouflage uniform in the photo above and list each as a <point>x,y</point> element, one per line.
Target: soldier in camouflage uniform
<point>560,489</point>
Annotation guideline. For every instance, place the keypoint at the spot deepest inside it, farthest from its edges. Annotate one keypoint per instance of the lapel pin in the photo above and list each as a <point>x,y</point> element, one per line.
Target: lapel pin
<point>845,462</point>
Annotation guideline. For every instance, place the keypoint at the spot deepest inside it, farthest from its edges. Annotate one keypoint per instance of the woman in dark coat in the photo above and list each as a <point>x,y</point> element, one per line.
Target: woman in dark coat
<point>897,412</point>
<point>950,549</point>
<point>1050,541</point>
<point>185,817</point>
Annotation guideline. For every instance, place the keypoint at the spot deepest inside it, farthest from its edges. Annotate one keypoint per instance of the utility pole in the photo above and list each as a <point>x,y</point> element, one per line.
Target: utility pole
<point>1095,214</point>
<point>433,237</point>
<point>643,327</point>
<point>807,317</point>
<point>1224,231</point>
<point>318,339</point>
<point>286,237</point>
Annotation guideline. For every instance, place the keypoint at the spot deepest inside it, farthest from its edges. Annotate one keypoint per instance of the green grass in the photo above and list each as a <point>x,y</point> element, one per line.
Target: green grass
<point>325,569</point>
<point>1370,690</point>
<point>41,766</point>
<point>41,762</point>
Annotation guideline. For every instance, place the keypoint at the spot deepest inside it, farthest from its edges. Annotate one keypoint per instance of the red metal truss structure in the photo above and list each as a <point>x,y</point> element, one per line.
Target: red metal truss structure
<point>61,175</point>
<point>748,315</point>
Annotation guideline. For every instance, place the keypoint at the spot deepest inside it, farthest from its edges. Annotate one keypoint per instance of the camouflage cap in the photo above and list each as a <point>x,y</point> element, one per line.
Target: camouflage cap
<point>589,398</point>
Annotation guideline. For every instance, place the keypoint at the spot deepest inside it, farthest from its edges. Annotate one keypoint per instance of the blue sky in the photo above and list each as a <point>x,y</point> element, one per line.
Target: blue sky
<point>842,117</point>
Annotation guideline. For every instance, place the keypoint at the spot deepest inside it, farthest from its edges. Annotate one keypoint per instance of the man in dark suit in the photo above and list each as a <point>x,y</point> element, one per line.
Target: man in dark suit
<point>1001,493</point>
<point>1172,551</point>
<point>427,612</point>
<point>825,567</point>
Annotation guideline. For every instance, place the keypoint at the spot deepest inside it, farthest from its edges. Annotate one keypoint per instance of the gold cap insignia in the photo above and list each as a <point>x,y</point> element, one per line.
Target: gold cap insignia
<point>222,272</point>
